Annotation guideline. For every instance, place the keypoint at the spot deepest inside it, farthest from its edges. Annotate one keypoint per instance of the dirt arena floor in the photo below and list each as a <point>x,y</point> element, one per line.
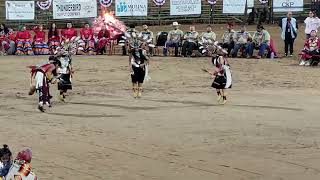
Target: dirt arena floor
<point>268,130</point>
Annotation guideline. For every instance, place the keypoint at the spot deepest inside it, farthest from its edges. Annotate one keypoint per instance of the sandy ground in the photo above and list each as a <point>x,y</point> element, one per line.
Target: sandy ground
<point>268,130</point>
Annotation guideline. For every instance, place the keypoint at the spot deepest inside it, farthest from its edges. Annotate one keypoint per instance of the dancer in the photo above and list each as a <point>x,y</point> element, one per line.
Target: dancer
<point>221,73</point>
<point>65,71</point>
<point>21,168</point>
<point>138,60</point>
<point>40,78</point>
<point>5,161</point>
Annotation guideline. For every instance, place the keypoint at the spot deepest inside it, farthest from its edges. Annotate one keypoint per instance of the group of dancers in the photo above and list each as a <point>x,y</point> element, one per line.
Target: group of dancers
<point>18,168</point>
<point>59,69</point>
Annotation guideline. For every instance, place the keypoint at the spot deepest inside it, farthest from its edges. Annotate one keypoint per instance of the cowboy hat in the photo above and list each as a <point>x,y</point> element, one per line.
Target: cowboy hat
<point>175,23</point>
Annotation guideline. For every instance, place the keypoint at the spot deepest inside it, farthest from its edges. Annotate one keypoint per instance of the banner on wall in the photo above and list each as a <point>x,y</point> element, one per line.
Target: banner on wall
<point>287,5</point>
<point>131,7</point>
<point>236,6</point>
<point>67,9</point>
<point>20,10</point>
<point>185,7</point>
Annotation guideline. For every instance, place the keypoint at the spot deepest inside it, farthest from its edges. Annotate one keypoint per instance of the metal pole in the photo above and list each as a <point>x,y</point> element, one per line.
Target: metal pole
<point>159,10</point>
<point>211,14</point>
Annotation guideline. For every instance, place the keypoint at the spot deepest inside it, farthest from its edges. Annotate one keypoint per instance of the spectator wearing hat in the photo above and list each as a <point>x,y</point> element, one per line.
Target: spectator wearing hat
<point>227,38</point>
<point>190,43</point>
<point>174,39</point>
<point>260,40</point>
<point>147,34</point>
<point>289,29</point>
<point>240,40</point>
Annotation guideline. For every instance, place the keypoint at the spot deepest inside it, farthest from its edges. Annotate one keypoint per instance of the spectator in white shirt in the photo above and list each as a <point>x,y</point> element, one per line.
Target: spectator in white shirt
<point>312,23</point>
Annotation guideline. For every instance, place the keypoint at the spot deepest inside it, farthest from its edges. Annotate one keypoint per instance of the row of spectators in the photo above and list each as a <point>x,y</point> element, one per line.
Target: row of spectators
<point>23,43</point>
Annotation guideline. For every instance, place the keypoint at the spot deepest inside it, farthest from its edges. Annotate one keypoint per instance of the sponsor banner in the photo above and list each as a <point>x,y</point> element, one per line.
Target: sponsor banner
<point>185,7</point>
<point>20,10</point>
<point>131,7</point>
<point>287,5</point>
<point>67,9</point>
<point>236,6</point>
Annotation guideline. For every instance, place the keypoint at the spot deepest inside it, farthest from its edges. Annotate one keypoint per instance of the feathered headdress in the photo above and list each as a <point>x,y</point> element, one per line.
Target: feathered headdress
<point>67,47</point>
<point>211,47</point>
<point>136,40</point>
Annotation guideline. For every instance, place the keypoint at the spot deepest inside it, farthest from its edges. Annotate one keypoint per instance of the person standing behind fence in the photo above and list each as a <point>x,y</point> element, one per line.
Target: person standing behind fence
<point>174,39</point>
<point>227,38</point>
<point>190,43</point>
<point>40,47</point>
<point>24,42</point>
<point>53,38</point>
<point>312,23</point>
<point>289,28</point>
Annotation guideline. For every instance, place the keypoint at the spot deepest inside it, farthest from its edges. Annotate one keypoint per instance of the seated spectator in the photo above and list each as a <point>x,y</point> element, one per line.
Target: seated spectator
<point>40,46</point>
<point>173,40</point>
<point>147,34</point>
<point>68,34</point>
<point>3,39</point>
<point>103,40</point>
<point>206,38</point>
<point>10,47</point>
<point>240,40</point>
<point>227,38</point>
<point>86,43</point>
<point>310,53</point>
<point>53,38</point>
<point>24,42</point>
<point>190,43</point>
<point>260,41</point>
<point>209,34</point>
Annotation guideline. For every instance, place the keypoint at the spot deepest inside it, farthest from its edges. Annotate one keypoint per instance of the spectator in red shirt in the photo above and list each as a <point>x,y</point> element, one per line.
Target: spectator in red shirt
<point>24,42</point>
<point>103,40</point>
<point>86,43</point>
<point>40,47</point>
<point>68,34</point>
<point>53,38</point>
<point>10,48</point>
<point>3,38</point>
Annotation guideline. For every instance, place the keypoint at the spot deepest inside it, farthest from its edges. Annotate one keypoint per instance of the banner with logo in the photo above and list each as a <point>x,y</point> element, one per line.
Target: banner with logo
<point>131,7</point>
<point>20,10</point>
<point>287,5</point>
<point>67,9</point>
<point>185,7</point>
<point>236,6</point>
